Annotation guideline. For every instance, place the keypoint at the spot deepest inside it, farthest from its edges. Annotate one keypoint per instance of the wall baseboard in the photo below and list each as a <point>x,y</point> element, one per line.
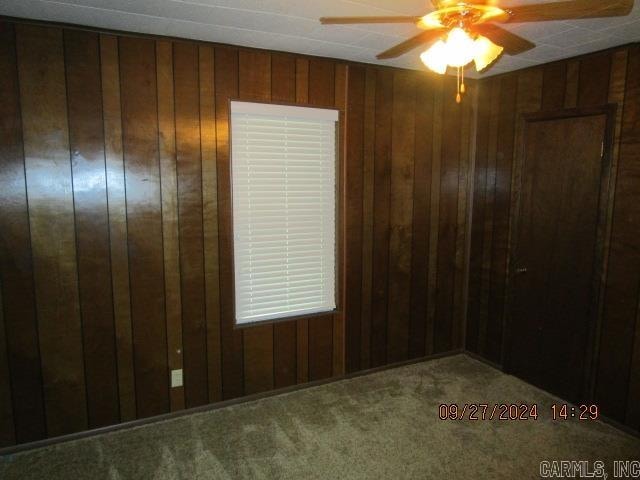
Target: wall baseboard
<point>214,406</point>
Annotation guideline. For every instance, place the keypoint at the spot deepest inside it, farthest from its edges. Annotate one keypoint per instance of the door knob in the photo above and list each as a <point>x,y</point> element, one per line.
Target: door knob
<point>521,270</point>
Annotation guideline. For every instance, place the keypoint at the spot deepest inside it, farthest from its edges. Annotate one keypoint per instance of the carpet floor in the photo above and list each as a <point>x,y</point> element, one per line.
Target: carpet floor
<point>379,426</point>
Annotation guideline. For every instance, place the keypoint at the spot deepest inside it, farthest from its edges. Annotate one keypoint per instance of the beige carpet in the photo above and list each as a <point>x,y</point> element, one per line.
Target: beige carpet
<point>378,426</point>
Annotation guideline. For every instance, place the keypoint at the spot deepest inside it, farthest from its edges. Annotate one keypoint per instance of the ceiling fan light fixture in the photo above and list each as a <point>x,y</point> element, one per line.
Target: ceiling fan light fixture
<point>460,48</point>
<point>486,53</point>
<point>435,58</point>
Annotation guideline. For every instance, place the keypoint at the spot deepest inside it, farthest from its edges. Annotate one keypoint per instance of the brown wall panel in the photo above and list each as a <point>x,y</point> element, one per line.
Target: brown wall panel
<point>593,80</point>
<point>382,192</point>
<point>553,86</point>
<point>423,152</point>
<point>226,86</point>
<point>593,85</point>
<point>368,221</point>
<point>170,230</point>
<point>117,224</point>
<point>401,216</point>
<point>86,141</point>
<point>353,215</point>
<point>449,174</point>
<point>210,218</point>
<point>144,221</point>
<point>16,267</point>
<point>501,214</point>
<point>189,172</point>
<point>142,268</point>
<point>341,79</point>
<point>619,323</point>
<point>474,300</point>
<point>434,215</point>
<point>51,212</point>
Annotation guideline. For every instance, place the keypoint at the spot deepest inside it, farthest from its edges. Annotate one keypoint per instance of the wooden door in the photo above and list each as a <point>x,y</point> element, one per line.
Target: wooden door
<point>556,257</point>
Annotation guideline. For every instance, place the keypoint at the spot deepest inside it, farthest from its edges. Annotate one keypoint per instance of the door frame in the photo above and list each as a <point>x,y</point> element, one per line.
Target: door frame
<point>603,233</point>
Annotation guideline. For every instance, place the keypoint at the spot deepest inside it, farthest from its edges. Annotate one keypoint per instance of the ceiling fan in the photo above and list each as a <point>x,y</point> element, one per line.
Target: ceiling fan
<point>464,31</point>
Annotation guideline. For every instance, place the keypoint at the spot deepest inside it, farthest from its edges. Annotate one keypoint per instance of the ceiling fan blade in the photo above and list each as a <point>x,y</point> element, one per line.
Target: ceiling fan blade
<point>414,42</point>
<point>363,20</point>
<point>576,9</point>
<point>513,44</point>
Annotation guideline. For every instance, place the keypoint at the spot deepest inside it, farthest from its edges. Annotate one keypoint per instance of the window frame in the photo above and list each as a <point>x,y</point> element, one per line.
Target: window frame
<point>340,126</point>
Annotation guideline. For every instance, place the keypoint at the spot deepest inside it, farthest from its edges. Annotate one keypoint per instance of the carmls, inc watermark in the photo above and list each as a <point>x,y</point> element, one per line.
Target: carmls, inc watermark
<point>587,469</point>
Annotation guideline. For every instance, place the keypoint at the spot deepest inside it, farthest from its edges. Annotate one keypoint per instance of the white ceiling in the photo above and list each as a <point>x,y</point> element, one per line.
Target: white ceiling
<point>292,25</point>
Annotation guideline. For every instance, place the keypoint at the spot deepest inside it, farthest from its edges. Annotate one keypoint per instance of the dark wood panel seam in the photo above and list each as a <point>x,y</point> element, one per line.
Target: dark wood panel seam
<point>126,217</point>
<point>416,86</point>
<point>33,283</point>
<point>204,262</point>
<point>75,225</point>
<point>106,191</point>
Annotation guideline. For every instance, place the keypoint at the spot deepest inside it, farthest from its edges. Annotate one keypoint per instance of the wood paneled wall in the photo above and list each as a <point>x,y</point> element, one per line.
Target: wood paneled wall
<point>607,77</point>
<point>115,245</point>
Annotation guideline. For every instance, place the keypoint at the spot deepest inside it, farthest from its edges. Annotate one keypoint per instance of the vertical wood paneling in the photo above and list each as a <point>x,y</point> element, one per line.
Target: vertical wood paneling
<point>447,220</point>
<point>16,267</point>
<point>461,255</point>
<point>401,206</point>
<point>132,136</point>
<point>119,249</point>
<point>477,226</point>
<point>341,79</point>
<point>210,219</point>
<point>255,85</point>
<point>382,192</point>
<point>529,99</point>
<point>144,222</point>
<point>606,77</point>
<point>423,151</point>
<point>553,86</point>
<point>501,214</point>
<point>283,89</point>
<point>434,216</point>
<point>368,184</point>
<point>593,86</point>
<point>487,241</point>
<point>571,87</point>
<point>619,321</point>
<point>51,213</point>
<point>86,138</point>
<point>189,172</point>
<point>226,86</point>
<point>321,93</point>
<point>170,233</point>
<point>320,351</point>
<point>302,326</point>
<point>353,216</point>
<point>7,427</point>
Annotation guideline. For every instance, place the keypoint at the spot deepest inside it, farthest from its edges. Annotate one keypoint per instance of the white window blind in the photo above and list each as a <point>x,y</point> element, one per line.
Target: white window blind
<point>284,188</point>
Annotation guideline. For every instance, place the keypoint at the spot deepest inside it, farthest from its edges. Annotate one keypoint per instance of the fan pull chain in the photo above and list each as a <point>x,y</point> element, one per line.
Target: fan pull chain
<point>461,87</point>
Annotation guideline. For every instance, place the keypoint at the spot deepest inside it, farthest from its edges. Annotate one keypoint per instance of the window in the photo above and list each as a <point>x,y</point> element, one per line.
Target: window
<point>283,162</point>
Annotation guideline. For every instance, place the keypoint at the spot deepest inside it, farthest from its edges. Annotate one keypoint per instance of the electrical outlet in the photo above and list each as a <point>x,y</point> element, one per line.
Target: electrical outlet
<point>176,378</point>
